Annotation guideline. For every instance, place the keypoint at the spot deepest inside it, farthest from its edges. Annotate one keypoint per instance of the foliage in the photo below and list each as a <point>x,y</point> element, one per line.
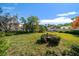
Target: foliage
<point>25,44</point>
<point>75,23</point>
<point>42,28</point>
<point>3,46</point>
<point>10,33</point>
<point>33,25</point>
<point>7,21</point>
<point>50,53</point>
<point>2,34</point>
<point>74,32</point>
<point>74,51</point>
<point>23,20</point>
<point>67,24</point>
<point>52,40</point>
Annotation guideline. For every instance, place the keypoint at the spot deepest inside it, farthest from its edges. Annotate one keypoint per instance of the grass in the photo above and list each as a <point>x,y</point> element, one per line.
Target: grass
<point>25,44</point>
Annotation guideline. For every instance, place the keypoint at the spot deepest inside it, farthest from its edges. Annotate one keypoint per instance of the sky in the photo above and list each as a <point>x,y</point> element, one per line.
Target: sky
<point>48,13</point>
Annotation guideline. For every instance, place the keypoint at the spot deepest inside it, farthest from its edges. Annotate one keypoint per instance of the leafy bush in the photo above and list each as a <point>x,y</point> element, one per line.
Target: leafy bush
<point>3,47</point>
<point>50,53</point>
<point>20,32</point>
<point>74,51</point>
<point>2,34</point>
<point>75,32</point>
<point>65,52</point>
<point>42,28</point>
<point>10,33</point>
<point>64,31</point>
<point>52,40</point>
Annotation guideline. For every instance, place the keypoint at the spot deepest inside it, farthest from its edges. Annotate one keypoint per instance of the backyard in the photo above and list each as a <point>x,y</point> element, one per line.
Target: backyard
<point>30,32</point>
<point>25,44</point>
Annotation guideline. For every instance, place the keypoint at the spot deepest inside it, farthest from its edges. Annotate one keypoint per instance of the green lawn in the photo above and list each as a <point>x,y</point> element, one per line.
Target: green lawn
<point>25,44</point>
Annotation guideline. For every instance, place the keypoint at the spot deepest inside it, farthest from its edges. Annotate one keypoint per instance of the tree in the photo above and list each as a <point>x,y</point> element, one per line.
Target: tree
<point>75,23</point>
<point>23,20</point>
<point>33,25</point>
<point>7,22</point>
<point>43,28</point>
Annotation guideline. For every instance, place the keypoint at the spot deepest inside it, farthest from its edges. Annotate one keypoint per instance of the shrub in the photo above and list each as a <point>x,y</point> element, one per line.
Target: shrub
<point>50,53</point>
<point>75,32</point>
<point>20,32</point>
<point>52,40</point>
<point>10,33</point>
<point>65,52</point>
<point>3,47</point>
<point>2,34</point>
<point>42,28</point>
<point>74,51</point>
<point>60,31</point>
<point>64,31</point>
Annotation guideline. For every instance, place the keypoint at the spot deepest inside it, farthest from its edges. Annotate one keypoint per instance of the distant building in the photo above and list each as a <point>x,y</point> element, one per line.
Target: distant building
<point>66,27</point>
<point>52,28</point>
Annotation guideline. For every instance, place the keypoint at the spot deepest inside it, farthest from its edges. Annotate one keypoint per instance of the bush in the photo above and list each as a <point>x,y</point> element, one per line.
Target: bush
<point>74,51</point>
<point>65,52</point>
<point>50,53</point>
<point>15,33</point>
<point>2,34</point>
<point>10,33</point>
<point>42,28</point>
<point>60,31</point>
<point>3,47</point>
<point>75,32</point>
<point>64,31</point>
<point>52,40</point>
<point>20,32</point>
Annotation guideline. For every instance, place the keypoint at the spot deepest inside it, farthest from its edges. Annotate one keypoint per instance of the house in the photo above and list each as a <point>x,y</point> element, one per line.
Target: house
<point>21,27</point>
<point>65,27</point>
<point>52,28</point>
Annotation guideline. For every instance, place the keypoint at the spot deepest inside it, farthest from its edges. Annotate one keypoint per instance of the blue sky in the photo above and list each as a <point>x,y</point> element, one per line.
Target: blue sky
<point>47,12</point>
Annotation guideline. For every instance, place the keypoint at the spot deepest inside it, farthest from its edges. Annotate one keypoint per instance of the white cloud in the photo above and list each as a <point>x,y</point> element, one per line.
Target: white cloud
<point>67,13</point>
<point>8,9</point>
<point>60,20</point>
